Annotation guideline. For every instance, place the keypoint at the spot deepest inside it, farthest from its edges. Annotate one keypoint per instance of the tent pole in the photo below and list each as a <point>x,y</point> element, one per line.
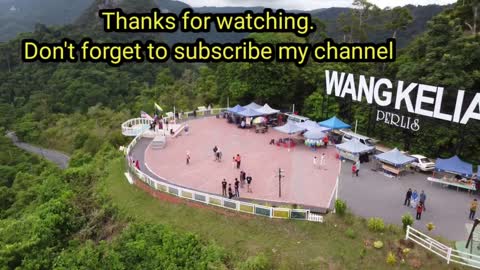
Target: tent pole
<point>356,124</point>
<point>293,108</point>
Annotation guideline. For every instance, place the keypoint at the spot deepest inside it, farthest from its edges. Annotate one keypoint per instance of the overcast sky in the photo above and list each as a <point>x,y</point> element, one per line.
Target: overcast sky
<point>308,4</point>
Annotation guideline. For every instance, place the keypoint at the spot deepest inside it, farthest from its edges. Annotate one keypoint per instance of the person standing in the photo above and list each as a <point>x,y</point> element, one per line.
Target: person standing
<point>234,162</point>
<point>414,199</point>
<point>408,197</point>
<point>215,149</point>
<point>238,160</point>
<point>242,179</point>
<point>230,193</point>
<point>188,157</point>
<point>419,210</point>
<point>249,182</point>
<point>325,141</point>
<point>473,209</point>
<point>423,198</point>
<point>322,159</point>
<point>315,162</point>
<point>224,187</point>
<point>354,169</point>
<point>237,184</point>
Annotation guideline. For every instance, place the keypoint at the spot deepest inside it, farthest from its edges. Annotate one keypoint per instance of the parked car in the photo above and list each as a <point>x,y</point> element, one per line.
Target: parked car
<point>348,136</point>
<point>423,164</point>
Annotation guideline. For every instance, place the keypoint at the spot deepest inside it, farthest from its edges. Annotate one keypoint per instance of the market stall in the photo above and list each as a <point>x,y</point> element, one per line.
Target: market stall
<point>453,172</point>
<point>354,150</point>
<point>394,162</point>
<point>270,113</point>
<point>232,116</point>
<point>289,128</point>
<point>314,137</point>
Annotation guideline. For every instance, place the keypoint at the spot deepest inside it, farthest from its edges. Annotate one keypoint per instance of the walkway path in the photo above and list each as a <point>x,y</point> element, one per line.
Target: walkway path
<point>60,159</point>
<point>374,195</point>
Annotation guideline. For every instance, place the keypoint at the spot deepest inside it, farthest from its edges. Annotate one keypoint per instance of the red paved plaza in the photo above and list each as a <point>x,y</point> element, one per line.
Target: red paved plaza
<point>303,184</point>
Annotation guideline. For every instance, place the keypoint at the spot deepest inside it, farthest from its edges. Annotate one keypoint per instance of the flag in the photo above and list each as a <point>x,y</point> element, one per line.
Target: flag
<point>145,115</point>
<point>158,107</point>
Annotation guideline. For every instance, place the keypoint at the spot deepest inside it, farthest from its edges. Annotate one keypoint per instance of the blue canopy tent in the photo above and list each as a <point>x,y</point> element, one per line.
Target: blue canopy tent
<point>249,113</point>
<point>353,149</point>
<point>334,123</point>
<point>454,165</point>
<point>253,106</point>
<point>236,109</point>
<point>289,128</point>
<point>395,157</point>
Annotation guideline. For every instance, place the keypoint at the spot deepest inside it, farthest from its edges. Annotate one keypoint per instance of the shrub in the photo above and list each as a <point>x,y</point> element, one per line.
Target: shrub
<point>350,233</point>
<point>391,259</point>
<point>349,219</point>
<point>259,262</point>
<point>406,251</point>
<point>376,224</point>
<point>340,207</point>
<point>430,226</point>
<point>407,220</point>
<point>378,244</point>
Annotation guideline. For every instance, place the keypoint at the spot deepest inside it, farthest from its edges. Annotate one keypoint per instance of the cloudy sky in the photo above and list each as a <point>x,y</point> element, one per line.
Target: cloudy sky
<point>308,4</point>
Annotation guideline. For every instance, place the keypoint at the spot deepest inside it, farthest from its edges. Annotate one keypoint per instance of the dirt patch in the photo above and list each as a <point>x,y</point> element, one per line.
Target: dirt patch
<point>176,200</point>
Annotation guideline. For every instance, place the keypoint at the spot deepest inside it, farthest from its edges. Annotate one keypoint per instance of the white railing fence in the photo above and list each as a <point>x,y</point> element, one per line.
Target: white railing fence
<point>443,251</point>
<point>214,200</point>
<point>135,126</point>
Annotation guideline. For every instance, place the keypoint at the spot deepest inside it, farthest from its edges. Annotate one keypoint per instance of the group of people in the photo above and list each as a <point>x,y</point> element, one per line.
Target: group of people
<point>317,163</point>
<point>237,185</point>
<point>413,199</point>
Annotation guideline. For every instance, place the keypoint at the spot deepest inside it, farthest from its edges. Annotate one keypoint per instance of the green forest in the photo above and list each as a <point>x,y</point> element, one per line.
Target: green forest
<point>67,219</point>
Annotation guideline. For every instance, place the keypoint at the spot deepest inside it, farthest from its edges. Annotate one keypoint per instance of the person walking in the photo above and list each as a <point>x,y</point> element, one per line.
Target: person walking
<point>315,162</point>
<point>473,209</point>
<point>230,193</point>
<point>357,164</point>
<point>414,199</point>
<point>238,160</point>
<point>423,198</point>
<point>419,210</point>
<point>188,157</point>
<point>237,184</point>
<point>249,182</point>
<point>408,197</point>
<point>354,169</point>
<point>137,164</point>
<point>224,187</point>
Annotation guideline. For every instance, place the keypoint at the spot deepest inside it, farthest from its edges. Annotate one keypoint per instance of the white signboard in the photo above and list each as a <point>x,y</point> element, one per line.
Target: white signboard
<point>382,91</point>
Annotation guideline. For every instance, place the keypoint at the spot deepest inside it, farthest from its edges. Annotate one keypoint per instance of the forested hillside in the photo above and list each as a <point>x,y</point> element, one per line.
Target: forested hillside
<point>52,219</point>
<point>22,16</point>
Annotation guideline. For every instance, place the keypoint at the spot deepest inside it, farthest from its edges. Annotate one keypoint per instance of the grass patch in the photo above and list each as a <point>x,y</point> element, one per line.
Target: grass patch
<point>288,244</point>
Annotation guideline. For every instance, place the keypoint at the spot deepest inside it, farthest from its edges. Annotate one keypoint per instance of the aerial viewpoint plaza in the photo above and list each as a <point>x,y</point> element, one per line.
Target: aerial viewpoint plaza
<point>239,135</point>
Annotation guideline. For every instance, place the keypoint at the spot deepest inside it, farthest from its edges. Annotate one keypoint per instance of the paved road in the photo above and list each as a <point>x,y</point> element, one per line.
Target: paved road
<point>374,195</point>
<point>60,159</point>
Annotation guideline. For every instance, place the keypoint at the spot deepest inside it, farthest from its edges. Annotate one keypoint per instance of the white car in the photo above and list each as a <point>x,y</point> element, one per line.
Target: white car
<point>423,164</point>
